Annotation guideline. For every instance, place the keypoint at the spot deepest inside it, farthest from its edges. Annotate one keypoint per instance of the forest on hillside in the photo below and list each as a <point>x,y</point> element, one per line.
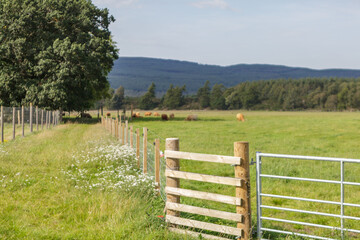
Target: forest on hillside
<point>135,74</point>
<point>326,94</point>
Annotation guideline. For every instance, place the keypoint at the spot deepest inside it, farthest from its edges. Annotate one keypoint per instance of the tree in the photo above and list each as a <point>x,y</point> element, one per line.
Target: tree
<point>174,97</point>
<point>203,95</point>
<point>54,53</point>
<point>117,100</point>
<point>217,99</point>
<point>148,101</point>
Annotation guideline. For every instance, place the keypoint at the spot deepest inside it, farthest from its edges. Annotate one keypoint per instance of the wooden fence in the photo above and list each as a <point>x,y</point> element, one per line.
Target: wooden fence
<point>33,116</point>
<point>241,182</point>
<point>120,129</point>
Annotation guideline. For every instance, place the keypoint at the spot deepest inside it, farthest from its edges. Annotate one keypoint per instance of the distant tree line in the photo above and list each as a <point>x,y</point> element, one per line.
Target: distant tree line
<point>327,94</point>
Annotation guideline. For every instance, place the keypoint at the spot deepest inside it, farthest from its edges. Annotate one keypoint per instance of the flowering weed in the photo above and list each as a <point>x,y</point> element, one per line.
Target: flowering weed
<point>108,166</point>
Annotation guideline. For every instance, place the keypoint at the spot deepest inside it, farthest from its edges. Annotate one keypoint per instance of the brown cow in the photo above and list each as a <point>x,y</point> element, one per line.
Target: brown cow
<point>240,117</point>
<point>108,114</point>
<point>147,114</point>
<point>164,117</point>
<point>172,116</point>
<point>137,114</point>
<point>191,118</point>
<point>156,114</point>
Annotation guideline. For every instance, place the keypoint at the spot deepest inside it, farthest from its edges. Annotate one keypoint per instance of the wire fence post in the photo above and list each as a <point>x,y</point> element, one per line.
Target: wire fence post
<point>145,149</point>
<point>22,121</point>
<point>242,171</point>
<point>2,124</point>
<point>31,118</point>
<point>157,164</point>
<point>123,133</point>
<point>126,132</point>
<point>138,146</point>
<point>172,164</point>
<point>37,118</point>
<point>42,119</point>
<point>131,137</point>
<point>14,121</point>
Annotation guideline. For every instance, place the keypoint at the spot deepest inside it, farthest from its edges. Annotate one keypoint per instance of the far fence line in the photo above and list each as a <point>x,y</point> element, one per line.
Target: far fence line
<point>16,119</point>
<point>168,183</point>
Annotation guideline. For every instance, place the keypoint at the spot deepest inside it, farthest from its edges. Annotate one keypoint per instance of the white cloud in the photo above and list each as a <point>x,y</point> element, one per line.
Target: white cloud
<point>211,3</point>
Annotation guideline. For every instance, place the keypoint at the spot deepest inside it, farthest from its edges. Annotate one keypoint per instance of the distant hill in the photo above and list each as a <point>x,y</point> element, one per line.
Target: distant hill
<point>137,73</point>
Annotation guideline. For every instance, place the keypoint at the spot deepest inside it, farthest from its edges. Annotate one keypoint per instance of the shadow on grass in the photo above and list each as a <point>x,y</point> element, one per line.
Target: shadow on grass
<point>176,119</point>
<point>81,120</point>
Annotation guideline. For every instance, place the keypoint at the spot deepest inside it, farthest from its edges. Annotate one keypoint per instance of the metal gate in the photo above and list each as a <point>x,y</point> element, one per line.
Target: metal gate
<point>341,182</point>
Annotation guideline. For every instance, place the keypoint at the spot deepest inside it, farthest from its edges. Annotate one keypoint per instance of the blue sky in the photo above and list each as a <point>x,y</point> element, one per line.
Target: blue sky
<point>305,33</point>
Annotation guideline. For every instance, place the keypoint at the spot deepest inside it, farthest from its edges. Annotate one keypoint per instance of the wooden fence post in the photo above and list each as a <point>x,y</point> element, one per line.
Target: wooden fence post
<point>19,121</point>
<point>37,118</point>
<point>157,163</point>
<point>14,122</point>
<point>145,149</point>
<point>22,121</point>
<point>131,137</point>
<point>119,131</point>
<point>31,118</point>
<point>172,164</point>
<point>42,119</point>
<point>111,126</point>
<point>122,134</point>
<point>241,149</point>
<point>116,128</point>
<point>138,146</point>
<point>127,132</point>
<point>2,123</point>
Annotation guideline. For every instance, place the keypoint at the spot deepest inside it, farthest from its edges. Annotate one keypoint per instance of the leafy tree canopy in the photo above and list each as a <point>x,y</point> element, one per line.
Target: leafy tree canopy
<point>54,53</point>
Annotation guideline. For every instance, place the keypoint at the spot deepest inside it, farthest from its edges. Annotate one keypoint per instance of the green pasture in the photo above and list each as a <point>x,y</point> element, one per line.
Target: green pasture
<point>300,133</point>
<point>39,201</point>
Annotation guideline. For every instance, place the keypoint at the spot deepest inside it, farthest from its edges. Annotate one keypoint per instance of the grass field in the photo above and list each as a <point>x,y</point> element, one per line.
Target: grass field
<point>52,207</point>
<point>64,184</point>
<point>300,133</point>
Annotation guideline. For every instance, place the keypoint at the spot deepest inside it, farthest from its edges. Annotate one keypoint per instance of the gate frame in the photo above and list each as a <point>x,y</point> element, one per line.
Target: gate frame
<point>342,203</point>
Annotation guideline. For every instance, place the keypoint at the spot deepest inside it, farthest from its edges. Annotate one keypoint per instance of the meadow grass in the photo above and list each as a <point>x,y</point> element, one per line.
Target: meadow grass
<point>54,185</point>
<point>331,134</point>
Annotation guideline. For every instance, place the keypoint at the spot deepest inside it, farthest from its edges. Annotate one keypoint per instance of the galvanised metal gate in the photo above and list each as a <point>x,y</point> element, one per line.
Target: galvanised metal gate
<point>342,203</point>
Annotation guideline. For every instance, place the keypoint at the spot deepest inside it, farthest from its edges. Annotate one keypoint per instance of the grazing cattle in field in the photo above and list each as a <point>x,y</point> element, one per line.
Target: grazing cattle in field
<point>137,114</point>
<point>147,114</point>
<point>156,114</point>
<point>191,118</point>
<point>108,114</point>
<point>85,115</point>
<point>164,117</point>
<point>240,117</point>
<point>172,116</point>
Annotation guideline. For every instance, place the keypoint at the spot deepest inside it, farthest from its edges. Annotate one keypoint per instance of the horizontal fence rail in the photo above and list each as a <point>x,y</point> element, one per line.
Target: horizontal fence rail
<point>341,203</point>
<point>241,201</point>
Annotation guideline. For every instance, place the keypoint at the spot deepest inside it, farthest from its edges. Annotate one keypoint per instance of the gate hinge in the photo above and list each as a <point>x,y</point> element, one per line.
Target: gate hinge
<point>252,161</point>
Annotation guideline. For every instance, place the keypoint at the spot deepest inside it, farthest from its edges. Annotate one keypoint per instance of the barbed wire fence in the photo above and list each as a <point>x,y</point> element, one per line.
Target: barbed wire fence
<point>21,121</point>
